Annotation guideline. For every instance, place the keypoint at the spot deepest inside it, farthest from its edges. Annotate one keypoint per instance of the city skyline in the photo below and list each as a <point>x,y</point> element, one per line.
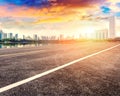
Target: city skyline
<point>90,33</point>
<point>103,34</point>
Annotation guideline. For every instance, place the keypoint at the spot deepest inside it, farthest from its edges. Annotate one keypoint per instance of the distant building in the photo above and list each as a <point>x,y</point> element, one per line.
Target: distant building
<point>44,37</point>
<point>24,37</point>
<point>16,36</point>
<point>4,35</point>
<point>106,35</point>
<point>101,34</point>
<point>38,38</point>
<point>10,35</point>
<point>1,34</point>
<point>35,37</point>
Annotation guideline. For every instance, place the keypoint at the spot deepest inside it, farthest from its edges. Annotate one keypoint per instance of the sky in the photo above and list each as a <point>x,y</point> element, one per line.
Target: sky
<point>49,17</point>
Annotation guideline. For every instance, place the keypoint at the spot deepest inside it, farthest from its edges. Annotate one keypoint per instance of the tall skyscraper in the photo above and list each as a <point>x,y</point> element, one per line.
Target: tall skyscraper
<point>1,34</point>
<point>112,27</point>
<point>10,35</point>
<point>35,37</point>
<point>16,36</point>
<point>24,37</point>
<point>4,35</point>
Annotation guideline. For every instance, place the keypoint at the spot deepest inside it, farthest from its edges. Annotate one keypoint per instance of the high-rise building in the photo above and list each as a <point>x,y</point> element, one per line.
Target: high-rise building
<point>112,27</point>
<point>24,37</point>
<point>105,31</point>
<point>101,34</point>
<point>35,37</point>
<point>16,36</point>
<point>10,35</point>
<point>44,38</point>
<point>1,34</point>
<point>4,35</point>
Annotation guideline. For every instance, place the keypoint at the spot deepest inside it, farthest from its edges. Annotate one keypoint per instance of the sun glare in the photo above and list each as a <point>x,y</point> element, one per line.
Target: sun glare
<point>85,32</point>
<point>89,30</point>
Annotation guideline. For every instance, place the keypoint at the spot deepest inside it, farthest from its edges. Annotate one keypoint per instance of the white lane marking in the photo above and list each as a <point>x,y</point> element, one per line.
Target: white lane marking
<point>24,53</point>
<point>11,86</point>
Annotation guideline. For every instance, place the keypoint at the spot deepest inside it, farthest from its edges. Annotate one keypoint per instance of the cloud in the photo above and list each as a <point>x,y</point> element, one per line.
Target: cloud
<point>80,3</point>
<point>10,22</point>
<point>105,9</point>
<point>113,1</point>
<point>47,11</point>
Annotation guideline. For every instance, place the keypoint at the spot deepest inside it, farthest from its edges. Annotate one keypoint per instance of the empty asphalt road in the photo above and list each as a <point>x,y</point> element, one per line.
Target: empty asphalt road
<point>96,76</point>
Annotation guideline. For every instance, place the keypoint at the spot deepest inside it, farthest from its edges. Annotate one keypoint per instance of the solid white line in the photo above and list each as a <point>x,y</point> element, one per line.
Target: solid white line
<point>11,86</point>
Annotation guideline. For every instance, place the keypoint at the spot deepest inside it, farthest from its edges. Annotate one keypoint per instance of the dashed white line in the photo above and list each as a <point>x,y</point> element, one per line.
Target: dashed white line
<point>11,86</point>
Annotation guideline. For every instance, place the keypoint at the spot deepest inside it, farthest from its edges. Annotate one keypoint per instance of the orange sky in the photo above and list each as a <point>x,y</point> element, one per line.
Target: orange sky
<point>61,12</point>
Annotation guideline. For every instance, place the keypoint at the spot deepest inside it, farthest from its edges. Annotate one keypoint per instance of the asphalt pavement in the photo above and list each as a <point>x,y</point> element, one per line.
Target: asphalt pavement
<point>96,76</point>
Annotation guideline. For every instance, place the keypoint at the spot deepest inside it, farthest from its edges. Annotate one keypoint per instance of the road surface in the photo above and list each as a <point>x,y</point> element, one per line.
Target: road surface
<point>98,75</point>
